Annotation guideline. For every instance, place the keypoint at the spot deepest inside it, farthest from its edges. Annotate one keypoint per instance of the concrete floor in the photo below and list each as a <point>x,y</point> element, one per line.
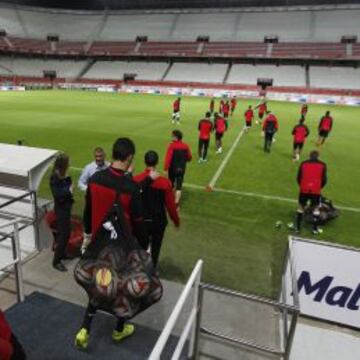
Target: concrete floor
<point>232,317</point>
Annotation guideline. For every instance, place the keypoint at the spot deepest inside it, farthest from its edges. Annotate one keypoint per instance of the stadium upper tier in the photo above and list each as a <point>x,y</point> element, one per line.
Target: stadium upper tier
<point>290,26</point>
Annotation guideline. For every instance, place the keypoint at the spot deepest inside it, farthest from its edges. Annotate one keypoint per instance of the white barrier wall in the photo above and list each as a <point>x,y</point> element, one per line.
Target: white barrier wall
<point>328,281</point>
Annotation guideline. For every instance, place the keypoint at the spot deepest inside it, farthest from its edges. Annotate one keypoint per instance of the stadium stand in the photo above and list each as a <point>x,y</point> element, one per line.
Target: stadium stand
<point>334,77</point>
<point>9,21</point>
<point>35,67</point>
<point>282,75</point>
<point>117,69</point>
<point>206,73</point>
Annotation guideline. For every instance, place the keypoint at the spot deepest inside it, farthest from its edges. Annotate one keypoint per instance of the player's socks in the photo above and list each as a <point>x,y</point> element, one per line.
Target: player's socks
<point>127,331</point>
<point>82,339</point>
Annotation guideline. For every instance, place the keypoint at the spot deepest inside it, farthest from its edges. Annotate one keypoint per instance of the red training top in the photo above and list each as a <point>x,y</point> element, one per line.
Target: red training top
<point>271,122</point>
<point>312,177</point>
<point>205,129</point>
<point>262,108</point>
<point>300,132</point>
<point>212,105</point>
<point>221,106</point>
<point>220,125</point>
<point>249,115</point>
<point>176,105</point>
<point>304,109</point>
<point>233,103</point>
<point>326,123</point>
<point>226,109</point>
<point>177,154</point>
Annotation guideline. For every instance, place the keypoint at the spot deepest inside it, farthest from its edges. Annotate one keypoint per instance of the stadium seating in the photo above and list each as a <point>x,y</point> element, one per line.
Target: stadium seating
<point>35,67</point>
<point>283,75</point>
<point>206,73</point>
<point>117,69</point>
<point>334,77</point>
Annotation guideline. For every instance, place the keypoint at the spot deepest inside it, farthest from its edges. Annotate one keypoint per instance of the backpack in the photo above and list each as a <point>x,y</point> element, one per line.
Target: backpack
<point>117,274</point>
<point>327,212</point>
<point>270,127</point>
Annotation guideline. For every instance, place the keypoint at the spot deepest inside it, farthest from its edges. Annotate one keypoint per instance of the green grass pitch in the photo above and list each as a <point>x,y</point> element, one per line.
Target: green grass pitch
<point>235,234</point>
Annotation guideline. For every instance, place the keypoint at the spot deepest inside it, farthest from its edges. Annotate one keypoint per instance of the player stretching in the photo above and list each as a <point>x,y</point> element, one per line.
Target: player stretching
<point>325,127</point>
<point>304,110</point>
<point>177,155</point>
<point>249,117</point>
<point>176,111</point>
<point>233,104</point>
<point>300,132</point>
<point>205,129</point>
<point>262,110</point>
<point>311,179</point>
<point>220,126</point>
<point>212,106</point>
<point>270,127</point>
<point>226,110</point>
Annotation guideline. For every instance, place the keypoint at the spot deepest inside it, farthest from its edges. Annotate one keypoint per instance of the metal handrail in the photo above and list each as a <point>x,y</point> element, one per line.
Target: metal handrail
<point>194,281</point>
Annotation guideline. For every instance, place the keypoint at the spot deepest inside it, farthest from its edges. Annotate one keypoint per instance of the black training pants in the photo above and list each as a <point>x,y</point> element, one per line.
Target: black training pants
<point>268,141</point>
<point>203,148</point>
<point>63,223</point>
<point>156,234</point>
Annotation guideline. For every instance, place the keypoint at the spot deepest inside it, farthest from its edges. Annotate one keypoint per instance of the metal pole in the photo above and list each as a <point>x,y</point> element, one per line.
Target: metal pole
<point>198,324</point>
<point>17,265</point>
<point>195,306</point>
<point>289,343</point>
<point>36,221</point>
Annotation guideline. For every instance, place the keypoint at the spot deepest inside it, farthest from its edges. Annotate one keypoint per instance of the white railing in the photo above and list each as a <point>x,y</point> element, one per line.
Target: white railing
<point>16,261</point>
<point>190,328</point>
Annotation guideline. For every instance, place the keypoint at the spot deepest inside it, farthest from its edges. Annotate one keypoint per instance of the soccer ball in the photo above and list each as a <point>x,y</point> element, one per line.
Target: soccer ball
<point>105,283</point>
<point>137,285</point>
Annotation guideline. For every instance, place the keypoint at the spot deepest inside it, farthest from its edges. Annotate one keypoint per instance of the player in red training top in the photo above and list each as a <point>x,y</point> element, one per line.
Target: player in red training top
<point>249,117</point>
<point>270,127</point>
<point>220,126</point>
<point>300,133</point>
<point>325,127</point>
<point>262,110</point>
<point>176,111</point>
<point>221,106</point>
<point>311,178</point>
<point>226,110</point>
<point>212,105</point>
<point>158,199</point>
<point>205,128</point>
<point>304,110</point>
<point>233,103</point>
<point>177,155</point>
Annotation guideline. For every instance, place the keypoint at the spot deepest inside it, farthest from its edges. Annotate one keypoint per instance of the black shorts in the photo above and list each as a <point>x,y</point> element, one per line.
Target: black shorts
<point>298,145</point>
<point>314,199</point>
<point>248,124</point>
<point>324,133</point>
<point>226,116</point>
<point>218,136</point>
<point>261,115</point>
<point>177,179</point>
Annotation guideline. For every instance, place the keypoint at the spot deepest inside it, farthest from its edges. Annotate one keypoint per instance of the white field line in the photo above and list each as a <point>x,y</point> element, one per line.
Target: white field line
<point>250,194</point>
<point>262,196</point>
<point>221,168</point>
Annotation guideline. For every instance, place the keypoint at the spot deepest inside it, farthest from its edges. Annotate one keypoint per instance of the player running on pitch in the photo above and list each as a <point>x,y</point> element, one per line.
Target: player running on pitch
<point>233,103</point>
<point>262,111</point>
<point>221,106</point>
<point>212,106</point>
<point>176,111</point>
<point>205,128</point>
<point>177,155</point>
<point>311,178</point>
<point>325,127</point>
<point>304,110</point>
<point>270,127</point>
<point>220,126</point>
<point>226,110</point>
<point>249,117</point>
<point>300,133</point>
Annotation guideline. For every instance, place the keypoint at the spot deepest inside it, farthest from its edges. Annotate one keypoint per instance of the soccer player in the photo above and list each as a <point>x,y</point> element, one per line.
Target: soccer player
<point>221,106</point>
<point>304,110</point>
<point>205,128</point>
<point>177,155</point>
<point>233,103</point>
<point>226,109</point>
<point>249,117</point>
<point>312,178</point>
<point>176,111</point>
<point>212,105</point>
<point>220,126</point>
<point>270,127</point>
<point>103,188</point>
<point>300,133</point>
<point>325,127</point>
<point>262,111</point>
<point>158,198</point>
<point>89,170</point>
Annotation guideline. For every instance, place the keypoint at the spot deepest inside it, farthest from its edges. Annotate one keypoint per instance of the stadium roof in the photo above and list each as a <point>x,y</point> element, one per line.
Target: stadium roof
<point>170,4</point>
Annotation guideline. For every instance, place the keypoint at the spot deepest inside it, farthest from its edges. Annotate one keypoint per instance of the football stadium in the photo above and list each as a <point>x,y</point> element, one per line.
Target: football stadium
<point>187,171</point>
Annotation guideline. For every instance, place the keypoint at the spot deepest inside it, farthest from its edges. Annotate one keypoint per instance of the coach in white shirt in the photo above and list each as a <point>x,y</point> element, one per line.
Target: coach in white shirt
<point>89,170</point>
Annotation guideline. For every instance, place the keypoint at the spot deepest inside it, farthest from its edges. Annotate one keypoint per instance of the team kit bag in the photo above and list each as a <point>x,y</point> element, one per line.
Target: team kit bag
<point>327,212</point>
<point>117,274</point>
